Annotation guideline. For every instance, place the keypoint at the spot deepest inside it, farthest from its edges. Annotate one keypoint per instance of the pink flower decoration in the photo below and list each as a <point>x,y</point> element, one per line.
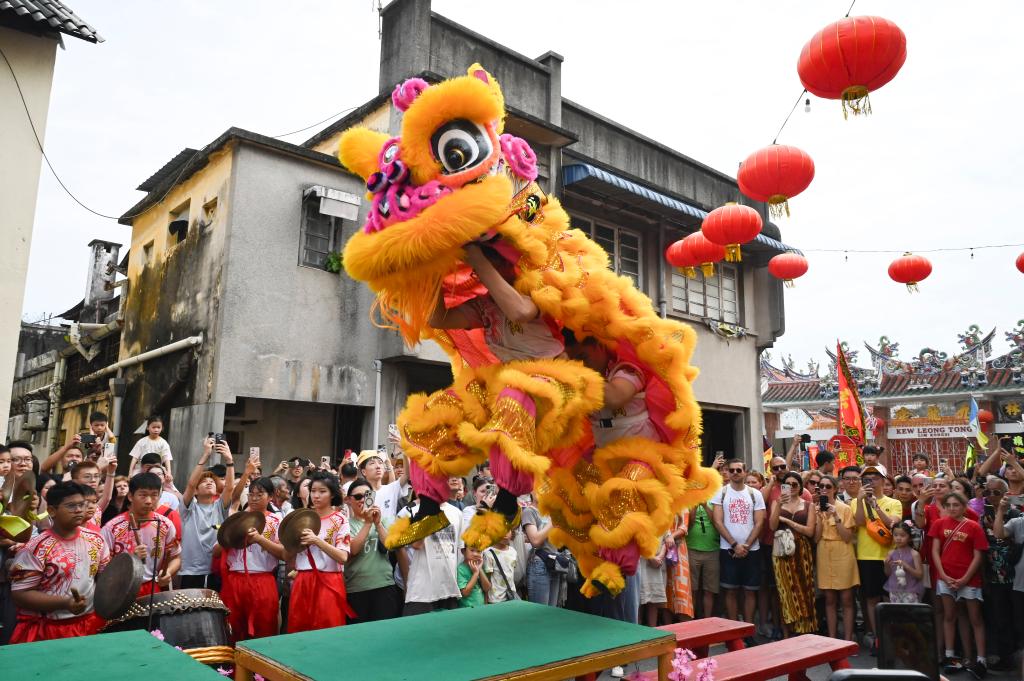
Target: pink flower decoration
<point>404,95</point>
<point>519,156</point>
<point>158,634</point>
<point>224,672</point>
<point>707,669</point>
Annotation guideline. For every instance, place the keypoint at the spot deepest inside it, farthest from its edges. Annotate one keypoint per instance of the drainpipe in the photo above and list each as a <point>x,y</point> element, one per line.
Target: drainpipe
<point>54,396</point>
<point>117,390</point>
<point>662,291</point>
<point>377,366</point>
<point>191,341</point>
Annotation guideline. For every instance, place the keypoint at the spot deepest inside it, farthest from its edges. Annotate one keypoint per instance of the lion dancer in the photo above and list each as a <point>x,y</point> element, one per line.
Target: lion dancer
<point>613,505</point>
<point>511,409</point>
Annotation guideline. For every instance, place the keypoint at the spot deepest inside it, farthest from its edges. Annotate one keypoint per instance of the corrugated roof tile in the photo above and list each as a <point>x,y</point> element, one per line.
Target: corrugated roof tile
<point>53,13</point>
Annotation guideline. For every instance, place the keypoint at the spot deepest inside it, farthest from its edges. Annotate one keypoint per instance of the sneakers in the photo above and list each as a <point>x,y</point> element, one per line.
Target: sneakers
<point>749,642</point>
<point>617,672</point>
<point>978,670</point>
<point>951,665</point>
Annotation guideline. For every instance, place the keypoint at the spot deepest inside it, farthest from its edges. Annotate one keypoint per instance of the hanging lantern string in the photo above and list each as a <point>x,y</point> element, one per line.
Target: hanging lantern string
<point>909,250</point>
<point>803,92</point>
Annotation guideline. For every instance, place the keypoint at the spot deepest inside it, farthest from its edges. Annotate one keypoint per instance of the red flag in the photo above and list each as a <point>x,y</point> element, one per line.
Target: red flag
<point>851,414</point>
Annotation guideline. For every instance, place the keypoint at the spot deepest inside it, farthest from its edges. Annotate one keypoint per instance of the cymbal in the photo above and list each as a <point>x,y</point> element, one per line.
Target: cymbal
<point>292,526</point>
<point>21,495</point>
<point>231,534</point>
<point>118,585</point>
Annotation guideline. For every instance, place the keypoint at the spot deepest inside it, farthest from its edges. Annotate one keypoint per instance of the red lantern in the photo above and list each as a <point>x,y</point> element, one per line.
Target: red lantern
<point>677,256</point>
<point>788,266</point>
<point>703,252</point>
<point>730,226</point>
<point>985,418</point>
<point>1020,262</point>
<point>909,269</point>
<point>775,174</point>
<point>850,58</point>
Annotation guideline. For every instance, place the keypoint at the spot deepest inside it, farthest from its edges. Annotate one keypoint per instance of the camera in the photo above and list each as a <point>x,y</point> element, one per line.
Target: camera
<point>88,440</point>
<point>218,438</point>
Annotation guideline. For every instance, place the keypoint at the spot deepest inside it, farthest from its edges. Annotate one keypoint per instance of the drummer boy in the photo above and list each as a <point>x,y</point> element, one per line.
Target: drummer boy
<point>53,576</point>
<point>146,533</point>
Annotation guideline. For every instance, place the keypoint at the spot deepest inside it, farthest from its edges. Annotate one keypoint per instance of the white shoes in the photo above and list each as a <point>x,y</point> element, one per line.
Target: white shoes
<point>617,672</point>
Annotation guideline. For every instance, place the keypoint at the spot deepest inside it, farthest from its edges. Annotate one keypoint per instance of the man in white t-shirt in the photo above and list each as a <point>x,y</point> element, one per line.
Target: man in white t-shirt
<point>432,583</point>
<point>372,465</point>
<point>738,514</point>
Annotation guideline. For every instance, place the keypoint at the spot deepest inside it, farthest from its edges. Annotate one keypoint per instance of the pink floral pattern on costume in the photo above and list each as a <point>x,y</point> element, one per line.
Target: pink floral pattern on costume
<point>519,156</point>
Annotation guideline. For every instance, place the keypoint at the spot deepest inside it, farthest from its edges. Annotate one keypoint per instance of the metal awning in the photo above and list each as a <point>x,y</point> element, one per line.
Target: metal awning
<point>584,172</point>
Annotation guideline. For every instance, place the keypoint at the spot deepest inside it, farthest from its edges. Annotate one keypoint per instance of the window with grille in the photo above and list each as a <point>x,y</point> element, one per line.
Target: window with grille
<point>622,245</point>
<point>321,234</point>
<point>714,297</point>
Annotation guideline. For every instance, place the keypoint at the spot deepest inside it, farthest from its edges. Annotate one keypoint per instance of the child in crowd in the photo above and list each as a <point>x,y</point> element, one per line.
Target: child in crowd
<point>652,585</point>
<point>500,568</point>
<point>473,583</point>
<point>958,549</point>
<point>904,568</point>
<point>151,444</point>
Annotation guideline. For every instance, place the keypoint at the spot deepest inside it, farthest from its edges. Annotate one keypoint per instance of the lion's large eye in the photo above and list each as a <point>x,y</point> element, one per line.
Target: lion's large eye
<point>460,145</point>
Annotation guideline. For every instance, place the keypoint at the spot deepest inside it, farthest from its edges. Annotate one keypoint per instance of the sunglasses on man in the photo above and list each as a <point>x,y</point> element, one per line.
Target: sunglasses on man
<point>780,467</point>
<point>735,470</point>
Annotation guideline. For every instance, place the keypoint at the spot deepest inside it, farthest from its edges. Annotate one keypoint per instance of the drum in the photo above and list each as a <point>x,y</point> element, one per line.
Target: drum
<point>187,618</point>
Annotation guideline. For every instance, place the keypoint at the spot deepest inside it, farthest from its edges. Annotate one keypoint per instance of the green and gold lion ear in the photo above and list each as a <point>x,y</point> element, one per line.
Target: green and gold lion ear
<point>479,72</point>
<point>359,149</point>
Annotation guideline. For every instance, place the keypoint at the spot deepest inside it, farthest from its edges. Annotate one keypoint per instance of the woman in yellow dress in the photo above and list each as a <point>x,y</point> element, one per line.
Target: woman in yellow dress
<point>837,562</point>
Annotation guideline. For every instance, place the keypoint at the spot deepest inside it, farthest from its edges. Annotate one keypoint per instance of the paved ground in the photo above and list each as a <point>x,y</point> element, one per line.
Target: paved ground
<point>861,661</point>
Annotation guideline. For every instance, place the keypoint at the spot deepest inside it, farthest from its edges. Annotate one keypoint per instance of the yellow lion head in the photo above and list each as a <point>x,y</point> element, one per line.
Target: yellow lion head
<point>450,178</point>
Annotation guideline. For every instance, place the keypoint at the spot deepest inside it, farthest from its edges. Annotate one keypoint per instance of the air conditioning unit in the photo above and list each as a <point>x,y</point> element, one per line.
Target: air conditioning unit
<point>36,415</point>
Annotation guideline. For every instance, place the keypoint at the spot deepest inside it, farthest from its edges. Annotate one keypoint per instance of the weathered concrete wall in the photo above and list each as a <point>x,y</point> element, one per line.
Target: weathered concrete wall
<point>288,332</point>
<point>174,291</point>
<point>32,59</point>
<point>284,430</point>
<point>187,427</point>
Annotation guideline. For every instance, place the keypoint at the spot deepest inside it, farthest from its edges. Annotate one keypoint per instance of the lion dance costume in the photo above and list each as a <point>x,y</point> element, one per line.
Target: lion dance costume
<point>452,178</point>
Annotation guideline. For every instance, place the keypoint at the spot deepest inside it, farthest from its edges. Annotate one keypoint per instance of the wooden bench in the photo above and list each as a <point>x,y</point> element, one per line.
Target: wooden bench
<point>699,635</point>
<point>792,656</point>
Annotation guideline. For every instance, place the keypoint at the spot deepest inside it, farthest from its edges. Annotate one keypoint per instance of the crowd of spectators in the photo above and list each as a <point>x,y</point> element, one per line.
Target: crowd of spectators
<point>791,551</point>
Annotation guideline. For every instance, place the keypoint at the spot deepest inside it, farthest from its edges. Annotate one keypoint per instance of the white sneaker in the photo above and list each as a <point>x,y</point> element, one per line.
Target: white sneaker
<point>617,672</point>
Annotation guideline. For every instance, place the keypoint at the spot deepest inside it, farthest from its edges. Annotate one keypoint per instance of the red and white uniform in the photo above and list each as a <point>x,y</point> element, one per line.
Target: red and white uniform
<point>158,535</point>
<point>250,587</point>
<point>631,419</point>
<point>55,566</point>
<point>318,598</point>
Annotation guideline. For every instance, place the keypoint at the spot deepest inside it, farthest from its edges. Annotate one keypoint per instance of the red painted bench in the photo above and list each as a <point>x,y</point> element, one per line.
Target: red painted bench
<point>699,635</point>
<point>792,656</point>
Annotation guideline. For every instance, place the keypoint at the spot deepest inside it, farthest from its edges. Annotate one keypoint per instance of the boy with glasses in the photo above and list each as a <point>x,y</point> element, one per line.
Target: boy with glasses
<point>738,513</point>
<point>52,577</point>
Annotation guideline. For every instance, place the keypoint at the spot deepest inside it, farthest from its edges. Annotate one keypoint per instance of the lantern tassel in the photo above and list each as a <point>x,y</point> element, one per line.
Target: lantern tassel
<point>912,287</point>
<point>732,253</point>
<point>708,269</point>
<point>856,101</point>
<point>778,206</point>
<point>788,283</point>
<point>689,272</point>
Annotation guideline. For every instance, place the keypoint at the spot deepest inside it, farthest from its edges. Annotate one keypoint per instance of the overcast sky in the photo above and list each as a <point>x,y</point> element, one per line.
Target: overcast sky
<point>939,164</point>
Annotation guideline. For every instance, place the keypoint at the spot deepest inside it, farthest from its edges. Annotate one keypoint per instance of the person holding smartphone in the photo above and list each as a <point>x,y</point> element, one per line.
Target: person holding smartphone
<point>369,576</point>
<point>836,560</point>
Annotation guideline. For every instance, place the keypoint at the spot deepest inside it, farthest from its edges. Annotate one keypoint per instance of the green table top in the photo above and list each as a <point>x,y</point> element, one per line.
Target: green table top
<point>128,655</point>
<point>468,643</point>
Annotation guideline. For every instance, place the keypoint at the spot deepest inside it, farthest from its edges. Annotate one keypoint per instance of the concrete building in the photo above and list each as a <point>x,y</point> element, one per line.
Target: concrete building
<point>228,281</point>
<point>30,32</point>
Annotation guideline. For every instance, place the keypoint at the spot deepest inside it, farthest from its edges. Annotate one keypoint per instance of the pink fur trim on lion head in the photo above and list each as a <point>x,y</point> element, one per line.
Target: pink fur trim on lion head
<point>404,94</point>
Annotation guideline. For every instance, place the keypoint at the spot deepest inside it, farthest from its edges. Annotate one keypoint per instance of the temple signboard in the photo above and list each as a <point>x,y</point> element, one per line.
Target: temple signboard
<point>930,431</point>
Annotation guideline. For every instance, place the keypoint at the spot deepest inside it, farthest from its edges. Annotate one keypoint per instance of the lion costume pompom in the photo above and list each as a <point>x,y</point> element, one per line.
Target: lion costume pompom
<point>451,185</point>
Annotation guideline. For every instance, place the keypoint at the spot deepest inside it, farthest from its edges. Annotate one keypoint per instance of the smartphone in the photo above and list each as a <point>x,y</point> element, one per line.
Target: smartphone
<point>325,462</point>
<point>907,638</point>
<point>88,440</point>
<point>368,499</point>
<point>823,502</point>
<point>1015,499</point>
<point>943,463</point>
<point>254,454</point>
